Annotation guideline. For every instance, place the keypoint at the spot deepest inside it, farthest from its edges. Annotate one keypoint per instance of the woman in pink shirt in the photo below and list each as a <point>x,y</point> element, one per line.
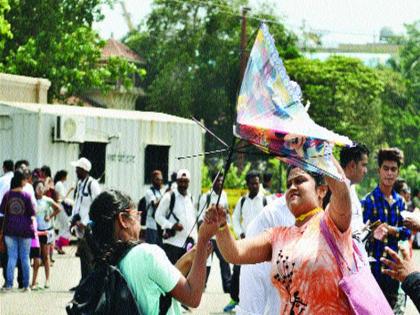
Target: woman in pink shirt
<point>304,270</point>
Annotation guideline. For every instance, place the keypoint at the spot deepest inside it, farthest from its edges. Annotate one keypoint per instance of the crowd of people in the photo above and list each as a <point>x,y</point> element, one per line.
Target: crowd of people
<point>278,253</point>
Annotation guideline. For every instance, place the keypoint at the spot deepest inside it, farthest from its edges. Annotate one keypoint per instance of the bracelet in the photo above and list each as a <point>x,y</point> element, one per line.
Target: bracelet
<point>222,227</point>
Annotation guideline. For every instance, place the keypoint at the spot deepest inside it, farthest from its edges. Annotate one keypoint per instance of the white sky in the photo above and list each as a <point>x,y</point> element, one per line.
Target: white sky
<point>344,21</point>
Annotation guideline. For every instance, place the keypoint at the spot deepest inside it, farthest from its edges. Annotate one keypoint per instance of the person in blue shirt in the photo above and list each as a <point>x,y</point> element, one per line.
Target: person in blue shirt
<point>384,204</point>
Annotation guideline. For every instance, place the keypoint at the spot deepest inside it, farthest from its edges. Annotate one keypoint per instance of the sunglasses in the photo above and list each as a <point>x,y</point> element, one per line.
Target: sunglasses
<point>137,214</point>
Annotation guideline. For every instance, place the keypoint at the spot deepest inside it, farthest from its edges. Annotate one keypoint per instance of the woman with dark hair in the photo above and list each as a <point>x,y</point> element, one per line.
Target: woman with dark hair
<point>304,269</point>
<point>63,218</point>
<point>18,212</point>
<point>114,240</point>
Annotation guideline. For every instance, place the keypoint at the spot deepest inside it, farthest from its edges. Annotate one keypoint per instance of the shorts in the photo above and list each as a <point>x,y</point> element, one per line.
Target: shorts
<point>35,252</point>
<point>46,239</point>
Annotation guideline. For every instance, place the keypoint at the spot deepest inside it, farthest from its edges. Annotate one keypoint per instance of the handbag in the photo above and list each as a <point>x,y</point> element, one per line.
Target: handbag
<point>360,287</point>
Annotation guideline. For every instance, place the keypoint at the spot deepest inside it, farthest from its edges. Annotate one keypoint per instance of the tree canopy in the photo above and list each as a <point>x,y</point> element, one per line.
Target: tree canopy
<point>4,24</point>
<point>193,52</point>
<point>55,40</point>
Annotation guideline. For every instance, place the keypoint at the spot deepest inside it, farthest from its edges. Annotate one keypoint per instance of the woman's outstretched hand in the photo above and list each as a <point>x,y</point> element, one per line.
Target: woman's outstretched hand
<point>215,215</point>
<point>214,218</point>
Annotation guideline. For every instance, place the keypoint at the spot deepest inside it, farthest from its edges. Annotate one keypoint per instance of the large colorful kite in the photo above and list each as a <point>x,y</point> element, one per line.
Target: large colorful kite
<point>271,116</point>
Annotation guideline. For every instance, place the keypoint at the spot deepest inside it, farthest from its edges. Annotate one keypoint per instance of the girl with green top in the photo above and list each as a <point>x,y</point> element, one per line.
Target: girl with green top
<point>46,209</point>
<point>115,225</point>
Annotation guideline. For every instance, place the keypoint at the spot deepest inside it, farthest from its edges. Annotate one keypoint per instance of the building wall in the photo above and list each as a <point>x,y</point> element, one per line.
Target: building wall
<point>16,88</point>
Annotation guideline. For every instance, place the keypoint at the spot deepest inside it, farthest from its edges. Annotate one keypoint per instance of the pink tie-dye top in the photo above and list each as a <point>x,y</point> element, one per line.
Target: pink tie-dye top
<point>304,270</point>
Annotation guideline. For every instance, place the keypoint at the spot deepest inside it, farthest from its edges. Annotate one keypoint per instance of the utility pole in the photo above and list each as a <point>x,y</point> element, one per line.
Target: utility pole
<point>244,41</point>
<point>243,62</point>
<point>127,16</point>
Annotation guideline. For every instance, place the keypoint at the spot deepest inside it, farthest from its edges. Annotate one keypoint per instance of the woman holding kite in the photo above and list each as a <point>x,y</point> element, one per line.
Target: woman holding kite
<point>316,267</point>
<point>304,269</point>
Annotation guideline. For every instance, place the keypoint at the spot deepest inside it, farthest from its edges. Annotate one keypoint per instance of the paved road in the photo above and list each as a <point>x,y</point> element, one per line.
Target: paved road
<point>66,273</point>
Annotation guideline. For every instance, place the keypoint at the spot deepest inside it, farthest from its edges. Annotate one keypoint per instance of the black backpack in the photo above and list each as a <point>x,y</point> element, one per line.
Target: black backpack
<point>105,292</point>
<point>143,208</point>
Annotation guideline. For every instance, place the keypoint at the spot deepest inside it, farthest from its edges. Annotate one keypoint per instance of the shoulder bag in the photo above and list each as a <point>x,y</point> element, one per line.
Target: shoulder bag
<point>363,292</point>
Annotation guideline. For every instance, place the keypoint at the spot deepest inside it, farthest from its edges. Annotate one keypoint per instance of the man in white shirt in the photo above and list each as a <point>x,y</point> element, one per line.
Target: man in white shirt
<point>249,205</point>
<point>354,161</point>
<point>210,198</point>
<point>257,295</point>
<point>153,196</point>
<point>6,178</point>
<point>87,188</point>
<point>246,209</point>
<point>176,216</point>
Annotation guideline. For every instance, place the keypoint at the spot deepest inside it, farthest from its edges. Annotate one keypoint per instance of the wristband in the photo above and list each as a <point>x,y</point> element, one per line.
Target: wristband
<point>222,227</point>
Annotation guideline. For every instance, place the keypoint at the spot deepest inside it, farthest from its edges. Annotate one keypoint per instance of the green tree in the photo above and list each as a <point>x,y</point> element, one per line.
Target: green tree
<point>4,24</point>
<point>410,62</point>
<point>60,46</point>
<point>344,96</point>
<point>400,118</point>
<point>192,52</point>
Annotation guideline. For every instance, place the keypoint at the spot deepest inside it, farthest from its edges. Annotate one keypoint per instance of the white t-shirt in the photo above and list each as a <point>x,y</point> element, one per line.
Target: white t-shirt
<point>357,212</point>
<point>83,199</point>
<point>5,185</point>
<point>257,296</point>
<point>202,204</point>
<point>152,195</point>
<point>242,216</point>
<point>28,188</point>
<point>149,273</point>
<point>60,189</point>
<point>184,211</point>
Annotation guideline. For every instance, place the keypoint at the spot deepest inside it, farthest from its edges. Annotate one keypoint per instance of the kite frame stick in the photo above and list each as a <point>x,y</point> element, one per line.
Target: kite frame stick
<point>202,154</point>
<point>209,131</point>
<point>226,170</point>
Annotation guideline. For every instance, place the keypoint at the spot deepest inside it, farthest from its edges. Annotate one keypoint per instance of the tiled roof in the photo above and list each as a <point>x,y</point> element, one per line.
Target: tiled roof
<point>114,48</point>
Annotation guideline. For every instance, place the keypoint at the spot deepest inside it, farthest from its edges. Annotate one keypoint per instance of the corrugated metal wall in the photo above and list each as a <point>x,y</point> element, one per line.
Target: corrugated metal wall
<point>18,134</point>
<point>30,137</point>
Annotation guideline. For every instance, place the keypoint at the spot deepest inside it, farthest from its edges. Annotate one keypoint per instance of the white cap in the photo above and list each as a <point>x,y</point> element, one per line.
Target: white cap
<point>183,173</point>
<point>83,163</point>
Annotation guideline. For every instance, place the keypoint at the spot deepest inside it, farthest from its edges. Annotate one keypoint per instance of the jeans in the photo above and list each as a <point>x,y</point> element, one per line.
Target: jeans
<point>17,247</point>
<point>234,284</point>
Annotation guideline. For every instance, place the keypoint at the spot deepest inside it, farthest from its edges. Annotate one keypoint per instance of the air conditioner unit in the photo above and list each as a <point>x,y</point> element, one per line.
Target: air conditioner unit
<point>70,129</point>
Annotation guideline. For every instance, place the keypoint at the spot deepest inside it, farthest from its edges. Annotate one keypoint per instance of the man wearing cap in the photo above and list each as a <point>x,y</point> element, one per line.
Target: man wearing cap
<point>87,188</point>
<point>176,215</point>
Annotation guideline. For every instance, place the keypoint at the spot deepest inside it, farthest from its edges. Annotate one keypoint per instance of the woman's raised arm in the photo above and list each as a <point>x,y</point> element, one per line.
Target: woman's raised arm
<point>339,208</point>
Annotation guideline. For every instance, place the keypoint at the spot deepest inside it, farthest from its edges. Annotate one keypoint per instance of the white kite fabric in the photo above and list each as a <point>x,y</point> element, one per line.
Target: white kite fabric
<point>271,116</point>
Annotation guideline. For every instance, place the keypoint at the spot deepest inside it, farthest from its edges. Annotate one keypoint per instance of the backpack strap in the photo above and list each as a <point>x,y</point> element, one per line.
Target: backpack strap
<point>243,198</point>
<point>208,199</point>
<point>89,188</point>
<point>264,201</point>
<point>153,189</point>
<point>171,207</point>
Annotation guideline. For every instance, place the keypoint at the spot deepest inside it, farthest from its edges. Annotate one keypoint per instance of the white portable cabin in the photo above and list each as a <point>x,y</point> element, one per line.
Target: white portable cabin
<point>123,146</point>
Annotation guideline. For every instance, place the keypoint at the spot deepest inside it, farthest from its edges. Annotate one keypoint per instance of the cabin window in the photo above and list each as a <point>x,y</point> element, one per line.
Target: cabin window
<point>156,158</point>
<point>95,152</point>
